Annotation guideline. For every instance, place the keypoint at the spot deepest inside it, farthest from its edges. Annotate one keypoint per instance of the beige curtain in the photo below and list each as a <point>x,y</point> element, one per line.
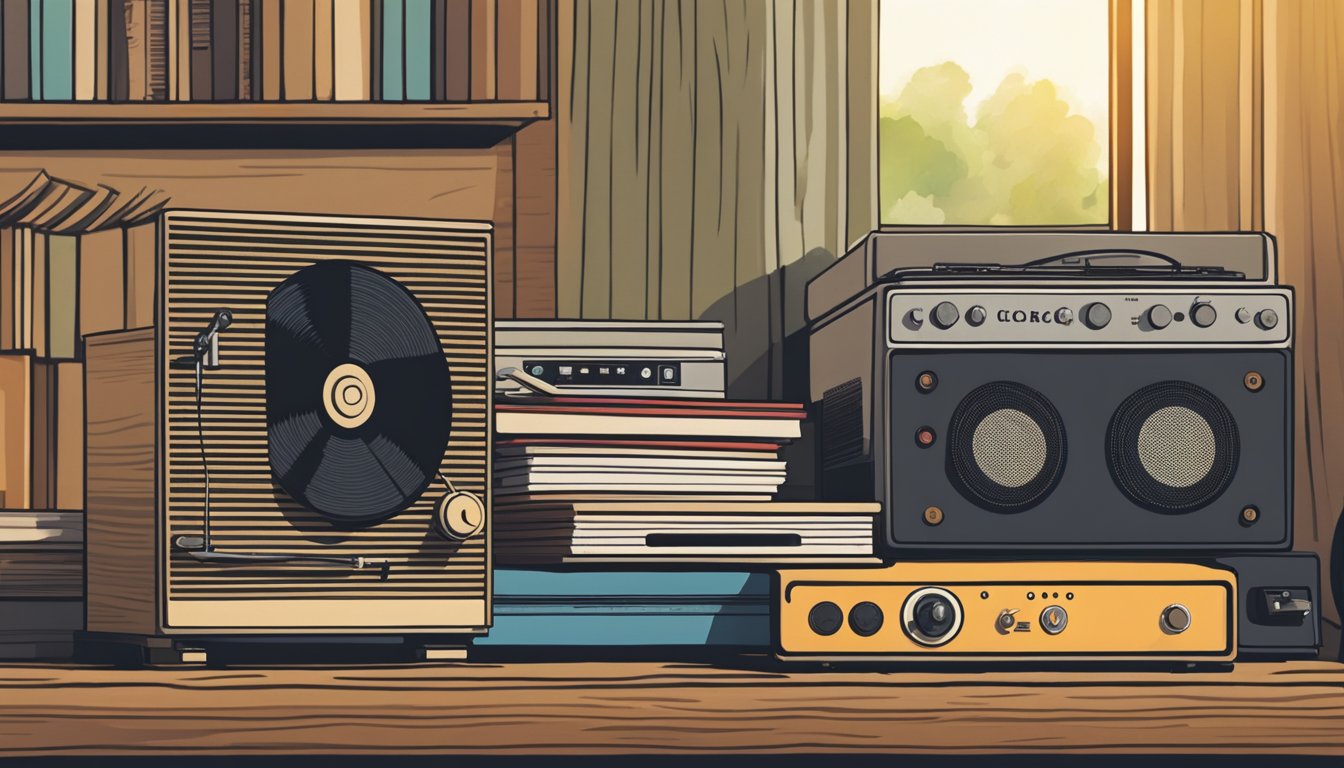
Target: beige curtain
<point>1246,131</point>
<point>712,157</point>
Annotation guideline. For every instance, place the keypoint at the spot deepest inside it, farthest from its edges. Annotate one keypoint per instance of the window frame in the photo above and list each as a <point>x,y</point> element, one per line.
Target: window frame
<point>1120,154</point>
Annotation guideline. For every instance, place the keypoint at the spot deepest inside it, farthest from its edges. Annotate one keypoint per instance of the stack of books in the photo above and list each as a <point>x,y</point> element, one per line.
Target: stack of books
<point>602,479</point>
<point>295,50</point>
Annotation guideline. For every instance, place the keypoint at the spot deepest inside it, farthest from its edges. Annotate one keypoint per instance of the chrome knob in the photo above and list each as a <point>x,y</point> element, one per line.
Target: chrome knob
<point>1175,619</point>
<point>1054,619</point>
<point>1096,315</point>
<point>1203,314</point>
<point>976,315</point>
<point>1159,316</point>
<point>1064,316</point>
<point>1244,315</point>
<point>915,318</point>
<point>945,314</point>
<point>1267,319</point>
<point>1006,620</point>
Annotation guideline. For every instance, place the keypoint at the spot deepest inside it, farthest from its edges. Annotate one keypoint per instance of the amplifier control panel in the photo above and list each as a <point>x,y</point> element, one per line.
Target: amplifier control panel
<point>1059,316</point>
<point>1010,611</point>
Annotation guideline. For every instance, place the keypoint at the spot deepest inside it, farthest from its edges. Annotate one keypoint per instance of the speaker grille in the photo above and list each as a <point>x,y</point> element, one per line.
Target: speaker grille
<point>1172,447</point>
<point>1006,446</point>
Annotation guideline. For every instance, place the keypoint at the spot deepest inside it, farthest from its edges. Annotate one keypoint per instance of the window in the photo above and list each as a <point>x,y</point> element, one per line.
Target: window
<point>999,112</point>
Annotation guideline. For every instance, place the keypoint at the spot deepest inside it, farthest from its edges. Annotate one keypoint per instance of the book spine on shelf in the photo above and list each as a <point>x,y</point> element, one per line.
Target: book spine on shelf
<point>53,55</point>
<point>297,57</point>
<point>324,61</point>
<point>201,56</point>
<point>375,50</point>
<point>457,50</point>
<point>69,436</point>
<point>102,268</point>
<point>272,50</point>
<point>483,47</point>
<point>351,39</point>
<point>249,62</point>
<point>394,56</point>
<point>517,51</point>
<point>224,49</point>
<point>85,30</point>
<point>102,40</point>
<point>418,40</point>
<point>156,49</point>
<point>62,296</point>
<point>17,82</point>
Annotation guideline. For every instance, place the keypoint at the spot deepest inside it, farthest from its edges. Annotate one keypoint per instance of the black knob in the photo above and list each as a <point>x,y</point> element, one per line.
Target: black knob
<point>976,315</point>
<point>1203,314</point>
<point>934,616</point>
<point>1096,315</point>
<point>865,619</point>
<point>945,314</point>
<point>825,618</point>
<point>1159,316</point>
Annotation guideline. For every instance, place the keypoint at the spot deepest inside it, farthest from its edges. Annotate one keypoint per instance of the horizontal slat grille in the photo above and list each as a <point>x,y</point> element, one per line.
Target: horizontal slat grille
<point>234,261</point>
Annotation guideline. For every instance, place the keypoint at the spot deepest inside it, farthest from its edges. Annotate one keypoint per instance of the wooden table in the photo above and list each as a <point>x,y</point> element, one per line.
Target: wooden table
<point>591,708</point>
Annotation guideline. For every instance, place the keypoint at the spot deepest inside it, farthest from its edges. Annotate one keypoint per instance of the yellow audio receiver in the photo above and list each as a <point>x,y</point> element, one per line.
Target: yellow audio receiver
<point>1009,612</point>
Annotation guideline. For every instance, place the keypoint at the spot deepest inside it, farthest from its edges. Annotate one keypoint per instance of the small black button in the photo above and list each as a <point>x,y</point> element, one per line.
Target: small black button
<point>865,619</point>
<point>825,618</point>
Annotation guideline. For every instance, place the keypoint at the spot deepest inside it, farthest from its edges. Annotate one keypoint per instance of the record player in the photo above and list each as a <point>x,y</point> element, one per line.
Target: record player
<point>299,446</point>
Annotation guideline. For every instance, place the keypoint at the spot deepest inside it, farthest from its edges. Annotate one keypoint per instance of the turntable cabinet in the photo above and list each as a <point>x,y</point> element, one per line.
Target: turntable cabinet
<point>333,478</point>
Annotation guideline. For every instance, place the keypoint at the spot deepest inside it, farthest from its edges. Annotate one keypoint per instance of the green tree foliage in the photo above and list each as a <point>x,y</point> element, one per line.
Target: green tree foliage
<point>1026,160</point>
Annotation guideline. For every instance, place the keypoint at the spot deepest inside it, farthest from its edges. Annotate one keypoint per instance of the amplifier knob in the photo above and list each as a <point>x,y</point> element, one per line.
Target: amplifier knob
<point>945,314</point>
<point>931,616</point>
<point>1064,316</point>
<point>1054,619</point>
<point>1267,319</point>
<point>1175,619</point>
<point>1203,314</point>
<point>1096,315</point>
<point>976,315</point>
<point>459,515</point>
<point>1243,315</point>
<point>1159,316</point>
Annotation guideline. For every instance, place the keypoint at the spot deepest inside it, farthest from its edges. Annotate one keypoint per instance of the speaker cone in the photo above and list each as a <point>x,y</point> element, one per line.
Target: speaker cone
<point>358,403</point>
<point>1006,446</point>
<point>1172,447</point>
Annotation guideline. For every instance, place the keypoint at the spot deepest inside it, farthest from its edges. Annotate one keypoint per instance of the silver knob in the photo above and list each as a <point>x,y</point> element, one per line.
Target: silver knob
<point>1175,619</point>
<point>1159,316</point>
<point>1267,319</point>
<point>1096,316</point>
<point>1064,316</point>
<point>1054,619</point>
<point>915,317</point>
<point>1203,314</point>
<point>945,314</point>
<point>976,315</point>
<point>1244,315</point>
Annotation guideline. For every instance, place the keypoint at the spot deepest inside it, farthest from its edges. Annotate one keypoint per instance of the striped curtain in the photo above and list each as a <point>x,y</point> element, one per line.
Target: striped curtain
<point>713,156</point>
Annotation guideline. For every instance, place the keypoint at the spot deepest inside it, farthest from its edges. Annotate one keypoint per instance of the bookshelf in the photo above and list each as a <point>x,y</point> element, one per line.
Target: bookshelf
<point>514,114</point>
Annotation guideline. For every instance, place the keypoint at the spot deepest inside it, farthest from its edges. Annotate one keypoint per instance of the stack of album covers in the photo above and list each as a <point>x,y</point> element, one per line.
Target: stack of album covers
<point>627,479</point>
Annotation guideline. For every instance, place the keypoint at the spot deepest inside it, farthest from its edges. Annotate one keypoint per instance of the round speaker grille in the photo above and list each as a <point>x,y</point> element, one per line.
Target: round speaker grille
<point>1006,446</point>
<point>1172,447</point>
<point>1009,447</point>
<point>358,404</point>
<point>1176,446</point>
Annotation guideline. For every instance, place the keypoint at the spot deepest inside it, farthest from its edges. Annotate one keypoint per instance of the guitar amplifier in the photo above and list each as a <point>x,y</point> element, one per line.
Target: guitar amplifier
<point>1109,399</point>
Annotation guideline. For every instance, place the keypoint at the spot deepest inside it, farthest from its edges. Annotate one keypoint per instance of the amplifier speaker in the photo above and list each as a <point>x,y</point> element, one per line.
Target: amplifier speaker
<point>352,399</point>
<point>1090,449</point>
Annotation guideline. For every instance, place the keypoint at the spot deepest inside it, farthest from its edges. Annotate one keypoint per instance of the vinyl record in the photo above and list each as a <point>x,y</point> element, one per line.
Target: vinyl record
<point>358,392</point>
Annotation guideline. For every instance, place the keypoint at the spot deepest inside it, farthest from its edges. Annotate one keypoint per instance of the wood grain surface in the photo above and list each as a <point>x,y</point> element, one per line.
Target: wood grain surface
<point>591,708</point>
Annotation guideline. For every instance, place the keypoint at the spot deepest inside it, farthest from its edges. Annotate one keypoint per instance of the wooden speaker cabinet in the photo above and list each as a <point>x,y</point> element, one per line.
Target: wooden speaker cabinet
<point>357,348</point>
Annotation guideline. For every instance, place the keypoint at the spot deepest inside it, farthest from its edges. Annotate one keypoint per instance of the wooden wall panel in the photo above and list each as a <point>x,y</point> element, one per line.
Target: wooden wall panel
<point>1246,131</point>
<point>1304,208</point>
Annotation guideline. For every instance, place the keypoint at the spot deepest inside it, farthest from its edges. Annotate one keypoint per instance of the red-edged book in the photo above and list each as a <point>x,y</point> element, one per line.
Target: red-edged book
<point>705,420</point>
